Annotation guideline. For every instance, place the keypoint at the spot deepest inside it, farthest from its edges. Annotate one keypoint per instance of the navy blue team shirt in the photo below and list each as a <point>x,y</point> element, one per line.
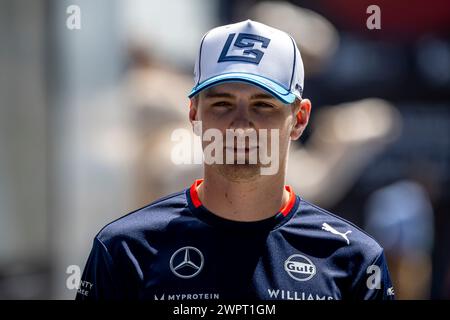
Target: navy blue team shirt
<point>176,249</point>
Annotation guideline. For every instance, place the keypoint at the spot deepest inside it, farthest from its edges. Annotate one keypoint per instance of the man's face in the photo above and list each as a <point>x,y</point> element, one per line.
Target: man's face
<point>250,111</point>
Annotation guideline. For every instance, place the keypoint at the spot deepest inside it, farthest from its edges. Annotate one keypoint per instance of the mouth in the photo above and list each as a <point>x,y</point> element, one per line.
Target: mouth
<point>241,150</point>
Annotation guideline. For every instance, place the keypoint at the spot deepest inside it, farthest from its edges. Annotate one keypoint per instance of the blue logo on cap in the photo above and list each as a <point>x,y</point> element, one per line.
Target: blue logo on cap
<point>244,40</point>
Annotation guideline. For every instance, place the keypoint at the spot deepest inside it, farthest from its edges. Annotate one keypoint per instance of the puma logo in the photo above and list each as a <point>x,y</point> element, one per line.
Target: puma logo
<point>390,291</point>
<point>327,227</point>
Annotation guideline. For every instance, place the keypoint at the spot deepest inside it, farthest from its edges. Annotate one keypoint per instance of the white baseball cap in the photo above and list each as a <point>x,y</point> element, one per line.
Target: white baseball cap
<point>250,52</point>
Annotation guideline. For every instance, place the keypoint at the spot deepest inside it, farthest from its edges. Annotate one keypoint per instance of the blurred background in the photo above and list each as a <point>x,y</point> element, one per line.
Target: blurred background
<point>86,117</point>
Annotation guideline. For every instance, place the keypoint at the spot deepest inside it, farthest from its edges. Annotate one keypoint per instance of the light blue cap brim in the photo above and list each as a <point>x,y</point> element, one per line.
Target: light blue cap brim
<point>271,87</point>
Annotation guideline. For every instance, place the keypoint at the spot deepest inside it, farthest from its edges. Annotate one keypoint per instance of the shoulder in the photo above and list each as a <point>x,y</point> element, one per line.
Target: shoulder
<point>153,218</point>
<point>336,233</point>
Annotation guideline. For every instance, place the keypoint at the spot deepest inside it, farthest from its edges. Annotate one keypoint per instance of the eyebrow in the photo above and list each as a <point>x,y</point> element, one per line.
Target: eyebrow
<point>262,96</point>
<point>219,95</point>
<point>230,96</point>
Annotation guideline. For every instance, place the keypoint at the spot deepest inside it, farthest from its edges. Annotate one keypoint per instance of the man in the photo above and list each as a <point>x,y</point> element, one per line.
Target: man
<point>240,232</point>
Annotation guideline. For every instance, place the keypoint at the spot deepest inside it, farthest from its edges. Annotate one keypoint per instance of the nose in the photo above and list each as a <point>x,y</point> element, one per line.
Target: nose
<point>241,118</point>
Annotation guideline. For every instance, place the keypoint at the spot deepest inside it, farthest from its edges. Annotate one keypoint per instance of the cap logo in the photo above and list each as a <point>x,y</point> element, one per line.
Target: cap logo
<point>245,42</point>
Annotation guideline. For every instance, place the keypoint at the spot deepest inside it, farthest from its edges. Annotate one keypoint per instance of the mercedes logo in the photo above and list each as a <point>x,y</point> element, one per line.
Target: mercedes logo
<point>186,262</point>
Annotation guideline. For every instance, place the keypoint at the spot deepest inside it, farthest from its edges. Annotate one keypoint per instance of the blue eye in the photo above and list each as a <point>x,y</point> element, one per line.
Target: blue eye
<point>264,105</point>
<point>221,104</point>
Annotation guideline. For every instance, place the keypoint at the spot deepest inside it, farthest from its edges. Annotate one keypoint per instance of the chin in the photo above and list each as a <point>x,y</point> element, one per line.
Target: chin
<point>240,172</point>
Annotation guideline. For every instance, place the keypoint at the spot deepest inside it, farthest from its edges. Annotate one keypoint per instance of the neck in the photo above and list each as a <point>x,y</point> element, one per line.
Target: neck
<point>244,200</point>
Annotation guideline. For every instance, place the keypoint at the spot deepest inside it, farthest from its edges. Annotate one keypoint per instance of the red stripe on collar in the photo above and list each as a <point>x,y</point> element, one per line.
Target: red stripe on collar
<point>283,210</point>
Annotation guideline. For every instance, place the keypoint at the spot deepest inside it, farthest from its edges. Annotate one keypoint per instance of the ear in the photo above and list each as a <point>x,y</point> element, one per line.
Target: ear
<point>193,112</point>
<point>302,113</point>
